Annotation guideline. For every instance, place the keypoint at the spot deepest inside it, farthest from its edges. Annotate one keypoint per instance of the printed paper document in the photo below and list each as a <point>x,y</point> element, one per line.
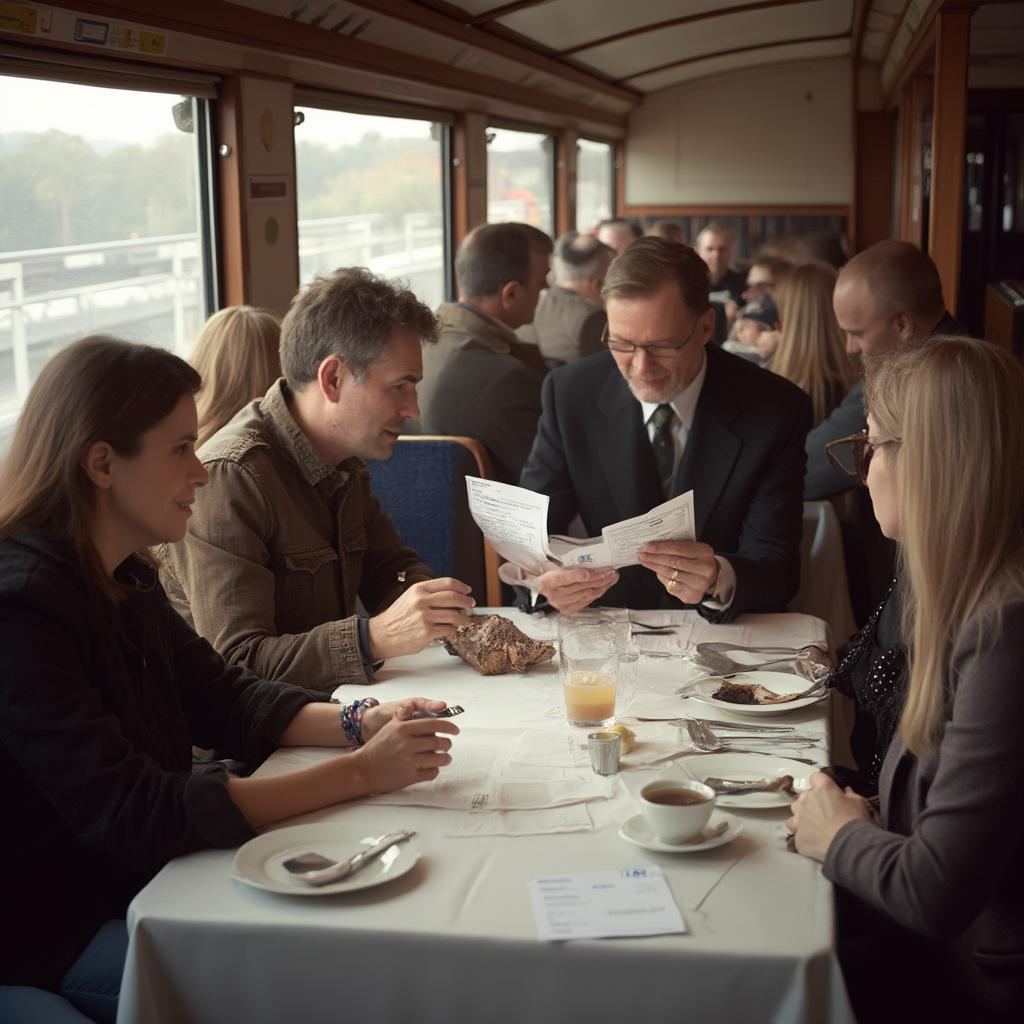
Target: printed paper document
<point>605,904</point>
<point>514,520</point>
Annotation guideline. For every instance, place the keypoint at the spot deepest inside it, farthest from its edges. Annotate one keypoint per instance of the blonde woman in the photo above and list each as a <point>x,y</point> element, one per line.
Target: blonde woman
<point>236,354</point>
<point>810,349</point>
<point>939,895</point>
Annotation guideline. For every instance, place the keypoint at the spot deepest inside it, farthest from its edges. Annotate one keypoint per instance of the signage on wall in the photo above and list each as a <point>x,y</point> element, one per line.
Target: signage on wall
<point>66,26</point>
<point>265,187</point>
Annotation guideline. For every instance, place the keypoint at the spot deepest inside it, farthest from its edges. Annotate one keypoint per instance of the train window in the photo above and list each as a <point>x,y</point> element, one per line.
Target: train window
<point>595,183</point>
<point>371,193</point>
<point>521,178</point>
<point>101,223</point>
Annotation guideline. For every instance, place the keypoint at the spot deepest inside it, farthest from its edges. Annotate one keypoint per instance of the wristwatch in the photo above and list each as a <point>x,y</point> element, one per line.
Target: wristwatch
<point>712,594</point>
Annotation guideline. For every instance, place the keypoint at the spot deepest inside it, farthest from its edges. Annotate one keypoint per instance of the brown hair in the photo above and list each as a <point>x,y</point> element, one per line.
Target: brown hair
<point>812,349</point>
<point>96,389</point>
<point>350,314</point>
<point>649,262</point>
<point>901,278</point>
<point>491,255</point>
<point>951,410</point>
<point>237,356</point>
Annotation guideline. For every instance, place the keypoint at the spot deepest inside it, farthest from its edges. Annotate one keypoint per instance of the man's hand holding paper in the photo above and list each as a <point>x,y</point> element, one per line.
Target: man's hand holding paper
<point>570,590</point>
<point>687,569</point>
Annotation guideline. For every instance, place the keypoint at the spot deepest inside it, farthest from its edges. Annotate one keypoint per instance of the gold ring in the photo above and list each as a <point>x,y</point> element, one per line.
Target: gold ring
<point>675,576</point>
<point>671,584</point>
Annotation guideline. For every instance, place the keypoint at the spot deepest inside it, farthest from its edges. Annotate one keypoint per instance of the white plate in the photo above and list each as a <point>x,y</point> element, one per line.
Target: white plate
<point>740,767</point>
<point>779,682</point>
<point>637,831</point>
<point>260,861</point>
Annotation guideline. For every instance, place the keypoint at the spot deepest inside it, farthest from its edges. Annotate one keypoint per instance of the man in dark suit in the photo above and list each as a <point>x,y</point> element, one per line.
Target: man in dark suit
<point>661,413</point>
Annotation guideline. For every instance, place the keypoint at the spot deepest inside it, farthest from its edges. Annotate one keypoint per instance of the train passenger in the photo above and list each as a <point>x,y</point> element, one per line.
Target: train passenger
<point>237,356</point>
<point>287,535</point>
<point>809,349</point>
<point>714,245</point>
<point>661,413</point>
<point>104,688</point>
<point>932,927</point>
<point>755,331</point>
<point>617,233</point>
<point>671,230</point>
<point>480,380</point>
<point>570,318</point>
<point>887,297</point>
<point>764,275</point>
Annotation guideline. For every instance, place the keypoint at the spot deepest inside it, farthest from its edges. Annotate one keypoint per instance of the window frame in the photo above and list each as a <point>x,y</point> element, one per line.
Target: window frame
<point>554,134</point>
<point>353,103</point>
<point>613,182</point>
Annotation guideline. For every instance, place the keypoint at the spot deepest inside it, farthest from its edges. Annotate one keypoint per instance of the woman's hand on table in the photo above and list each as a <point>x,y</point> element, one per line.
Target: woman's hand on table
<point>820,812</point>
<point>403,750</point>
<point>570,590</point>
<point>374,719</point>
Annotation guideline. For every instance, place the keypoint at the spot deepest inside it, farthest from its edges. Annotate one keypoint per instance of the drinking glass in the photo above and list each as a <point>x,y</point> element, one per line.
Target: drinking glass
<point>588,667</point>
<point>614,622</point>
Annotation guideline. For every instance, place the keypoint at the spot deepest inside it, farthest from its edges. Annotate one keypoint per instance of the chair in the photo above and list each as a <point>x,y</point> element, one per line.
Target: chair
<point>422,487</point>
<point>823,587</point>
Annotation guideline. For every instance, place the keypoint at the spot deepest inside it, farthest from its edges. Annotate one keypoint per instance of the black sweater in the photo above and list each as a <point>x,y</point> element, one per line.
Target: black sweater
<point>100,704</point>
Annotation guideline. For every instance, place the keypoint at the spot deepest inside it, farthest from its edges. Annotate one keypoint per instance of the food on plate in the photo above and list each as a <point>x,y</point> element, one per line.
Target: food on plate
<point>752,693</point>
<point>628,737</point>
<point>737,787</point>
<point>493,645</point>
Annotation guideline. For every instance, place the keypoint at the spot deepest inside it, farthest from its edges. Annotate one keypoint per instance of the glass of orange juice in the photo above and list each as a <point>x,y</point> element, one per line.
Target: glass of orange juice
<point>588,667</point>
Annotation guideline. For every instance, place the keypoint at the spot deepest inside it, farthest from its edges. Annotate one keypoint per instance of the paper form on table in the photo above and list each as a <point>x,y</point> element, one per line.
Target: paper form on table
<point>605,904</point>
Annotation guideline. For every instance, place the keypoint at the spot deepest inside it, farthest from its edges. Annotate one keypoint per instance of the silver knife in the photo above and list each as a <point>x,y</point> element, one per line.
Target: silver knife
<point>346,868</point>
<point>747,727</point>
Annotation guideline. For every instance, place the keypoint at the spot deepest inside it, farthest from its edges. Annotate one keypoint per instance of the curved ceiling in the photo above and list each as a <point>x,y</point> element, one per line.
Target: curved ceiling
<point>609,53</point>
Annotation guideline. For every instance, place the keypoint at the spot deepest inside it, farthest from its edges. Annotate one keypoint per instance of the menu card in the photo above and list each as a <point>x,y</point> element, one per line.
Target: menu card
<point>605,904</point>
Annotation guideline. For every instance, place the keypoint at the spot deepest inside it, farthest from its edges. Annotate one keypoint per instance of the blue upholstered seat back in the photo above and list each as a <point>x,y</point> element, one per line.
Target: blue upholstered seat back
<point>422,487</point>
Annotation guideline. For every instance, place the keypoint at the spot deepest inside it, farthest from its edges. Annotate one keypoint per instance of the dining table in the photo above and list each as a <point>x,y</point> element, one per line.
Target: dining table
<point>455,935</point>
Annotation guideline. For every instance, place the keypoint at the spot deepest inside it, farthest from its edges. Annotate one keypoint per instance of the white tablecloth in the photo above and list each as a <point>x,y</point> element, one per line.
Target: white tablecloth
<point>454,940</point>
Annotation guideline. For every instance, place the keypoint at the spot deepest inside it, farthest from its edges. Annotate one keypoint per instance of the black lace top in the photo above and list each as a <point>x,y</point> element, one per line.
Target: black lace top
<point>873,673</point>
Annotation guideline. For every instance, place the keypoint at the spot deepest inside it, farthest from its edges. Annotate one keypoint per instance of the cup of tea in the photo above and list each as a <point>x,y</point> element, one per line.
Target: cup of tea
<point>676,810</point>
<point>588,667</point>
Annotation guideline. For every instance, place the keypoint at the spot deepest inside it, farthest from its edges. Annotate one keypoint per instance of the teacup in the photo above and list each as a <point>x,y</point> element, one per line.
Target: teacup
<point>676,811</point>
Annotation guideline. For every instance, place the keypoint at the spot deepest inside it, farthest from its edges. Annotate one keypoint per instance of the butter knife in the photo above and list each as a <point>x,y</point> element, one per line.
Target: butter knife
<point>346,868</point>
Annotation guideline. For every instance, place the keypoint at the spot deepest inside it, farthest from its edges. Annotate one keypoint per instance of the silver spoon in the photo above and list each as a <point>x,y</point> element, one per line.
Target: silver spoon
<point>705,740</point>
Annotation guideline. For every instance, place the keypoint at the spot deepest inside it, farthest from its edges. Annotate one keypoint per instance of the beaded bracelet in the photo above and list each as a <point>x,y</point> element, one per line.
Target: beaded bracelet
<point>352,719</point>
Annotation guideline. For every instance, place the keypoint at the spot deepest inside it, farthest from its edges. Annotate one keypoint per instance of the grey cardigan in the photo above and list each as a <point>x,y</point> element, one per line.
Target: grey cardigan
<point>948,861</point>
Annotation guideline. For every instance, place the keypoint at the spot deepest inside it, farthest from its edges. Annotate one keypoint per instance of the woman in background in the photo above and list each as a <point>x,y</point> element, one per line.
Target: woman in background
<point>932,922</point>
<point>237,357</point>
<point>810,349</point>
<point>104,688</point>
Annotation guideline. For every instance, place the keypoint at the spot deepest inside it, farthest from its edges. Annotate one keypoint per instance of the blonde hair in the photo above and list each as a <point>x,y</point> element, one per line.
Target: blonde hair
<point>812,351</point>
<point>236,354</point>
<point>953,408</point>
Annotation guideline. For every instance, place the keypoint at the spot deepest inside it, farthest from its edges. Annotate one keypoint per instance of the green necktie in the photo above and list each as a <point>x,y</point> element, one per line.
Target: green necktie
<point>664,449</point>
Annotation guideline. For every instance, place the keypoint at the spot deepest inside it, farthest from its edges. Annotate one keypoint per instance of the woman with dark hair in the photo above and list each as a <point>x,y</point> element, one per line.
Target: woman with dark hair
<point>104,689</point>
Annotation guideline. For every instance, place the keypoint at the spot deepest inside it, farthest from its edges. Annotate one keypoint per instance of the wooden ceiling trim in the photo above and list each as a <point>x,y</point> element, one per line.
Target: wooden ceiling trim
<point>500,12</point>
<point>687,19</point>
<point>228,22</point>
<point>441,18</point>
<point>736,49</point>
<point>860,19</point>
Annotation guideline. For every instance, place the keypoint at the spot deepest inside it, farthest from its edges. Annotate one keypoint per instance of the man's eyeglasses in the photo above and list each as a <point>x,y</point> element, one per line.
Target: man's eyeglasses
<point>664,351</point>
<point>853,454</point>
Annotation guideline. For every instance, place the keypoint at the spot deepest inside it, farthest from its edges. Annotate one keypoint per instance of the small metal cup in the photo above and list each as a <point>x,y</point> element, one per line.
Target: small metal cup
<point>605,749</point>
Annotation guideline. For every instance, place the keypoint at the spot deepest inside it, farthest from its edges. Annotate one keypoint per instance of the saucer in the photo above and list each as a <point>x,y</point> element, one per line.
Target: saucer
<point>637,831</point>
